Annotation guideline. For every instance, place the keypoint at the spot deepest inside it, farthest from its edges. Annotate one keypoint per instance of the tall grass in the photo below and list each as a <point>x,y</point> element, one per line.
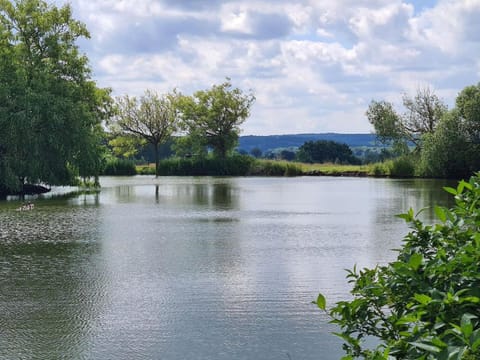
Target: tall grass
<point>116,167</point>
<point>238,165</point>
<point>244,165</point>
<point>275,168</point>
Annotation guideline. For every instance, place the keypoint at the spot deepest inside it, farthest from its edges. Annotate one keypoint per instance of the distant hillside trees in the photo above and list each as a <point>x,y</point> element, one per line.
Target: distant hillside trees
<point>326,151</point>
<point>50,109</point>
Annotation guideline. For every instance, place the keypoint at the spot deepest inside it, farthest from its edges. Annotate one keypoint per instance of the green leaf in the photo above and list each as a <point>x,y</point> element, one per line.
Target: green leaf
<point>408,216</point>
<point>439,343</point>
<point>462,185</point>
<point>441,213</point>
<point>427,347</point>
<point>347,338</point>
<point>475,340</point>
<point>415,261</point>
<point>321,302</point>
<point>450,190</point>
<point>466,324</point>
<point>423,299</point>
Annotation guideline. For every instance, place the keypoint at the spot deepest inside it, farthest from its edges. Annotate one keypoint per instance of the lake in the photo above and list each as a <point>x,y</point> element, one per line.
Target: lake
<point>194,268</point>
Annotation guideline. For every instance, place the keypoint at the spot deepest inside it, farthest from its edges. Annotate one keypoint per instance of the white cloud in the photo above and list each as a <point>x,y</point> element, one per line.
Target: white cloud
<point>388,22</point>
<point>313,64</point>
<point>448,26</point>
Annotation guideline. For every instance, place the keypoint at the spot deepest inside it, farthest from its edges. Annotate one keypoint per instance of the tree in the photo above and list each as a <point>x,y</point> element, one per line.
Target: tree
<point>287,155</point>
<point>468,105</point>
<point>425,304</point>
<point>447,153</point>
<point>422,115</point>
<point>125,146</point>
<point>322,151</point>
<point>50,109</point>
<point>213,117</point>
<point>256,152</point>
<point>385,120</point>
<point>452,150</point>
<point>151,117</point>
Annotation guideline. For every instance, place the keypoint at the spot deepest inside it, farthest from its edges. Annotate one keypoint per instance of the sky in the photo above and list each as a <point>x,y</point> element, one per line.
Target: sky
<point>313,65</point>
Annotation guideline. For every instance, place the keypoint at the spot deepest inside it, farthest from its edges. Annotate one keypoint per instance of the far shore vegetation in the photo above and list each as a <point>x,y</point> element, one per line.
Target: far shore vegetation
<point>244,165</point>
<point>266,167</point>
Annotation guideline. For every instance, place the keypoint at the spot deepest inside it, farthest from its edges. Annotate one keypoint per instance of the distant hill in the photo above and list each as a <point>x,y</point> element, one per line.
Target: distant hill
<point>270,142</point>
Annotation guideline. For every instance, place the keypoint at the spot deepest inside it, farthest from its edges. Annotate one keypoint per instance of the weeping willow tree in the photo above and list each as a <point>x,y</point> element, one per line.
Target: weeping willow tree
<point>50,109</point>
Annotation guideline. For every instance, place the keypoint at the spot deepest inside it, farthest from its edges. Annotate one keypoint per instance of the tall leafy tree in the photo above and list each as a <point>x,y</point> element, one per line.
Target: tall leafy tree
<point>422,115</point>
<point>51,110</point>
<point>468,105</point>
<point>151,117</point>
<point>213,116</point>
<point>452,150</point>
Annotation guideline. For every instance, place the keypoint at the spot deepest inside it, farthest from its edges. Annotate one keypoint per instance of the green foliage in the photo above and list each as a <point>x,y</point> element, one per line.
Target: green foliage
<point>385,120</point>
<point>379,169</point>
<point>275,168</point>
<point>189,146</point>
<point>448,142</point>
<point>236,165</point>
<point>126,146</point>
<point>115,167</point>
<point>212,117</point>
<point>422,115</point>
<point>50,110</point>
<point>468,105</point>
<point>324,151</point>
<point>402,166</point>
<point>152,118</point>
<point>450,151</point>
<point>426,303</point>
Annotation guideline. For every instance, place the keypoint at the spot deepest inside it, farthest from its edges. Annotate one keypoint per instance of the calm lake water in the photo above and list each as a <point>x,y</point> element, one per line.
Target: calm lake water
<point>193,268</point>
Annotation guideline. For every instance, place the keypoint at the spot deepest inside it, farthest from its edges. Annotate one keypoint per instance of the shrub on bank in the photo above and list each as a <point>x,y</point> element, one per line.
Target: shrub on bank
<point>426,304</point>
<point>402,166</point>
<point>378,169</point>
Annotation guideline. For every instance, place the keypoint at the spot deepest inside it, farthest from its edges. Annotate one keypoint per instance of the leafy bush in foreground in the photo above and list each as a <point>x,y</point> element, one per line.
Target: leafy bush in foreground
<point>426,304</point>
